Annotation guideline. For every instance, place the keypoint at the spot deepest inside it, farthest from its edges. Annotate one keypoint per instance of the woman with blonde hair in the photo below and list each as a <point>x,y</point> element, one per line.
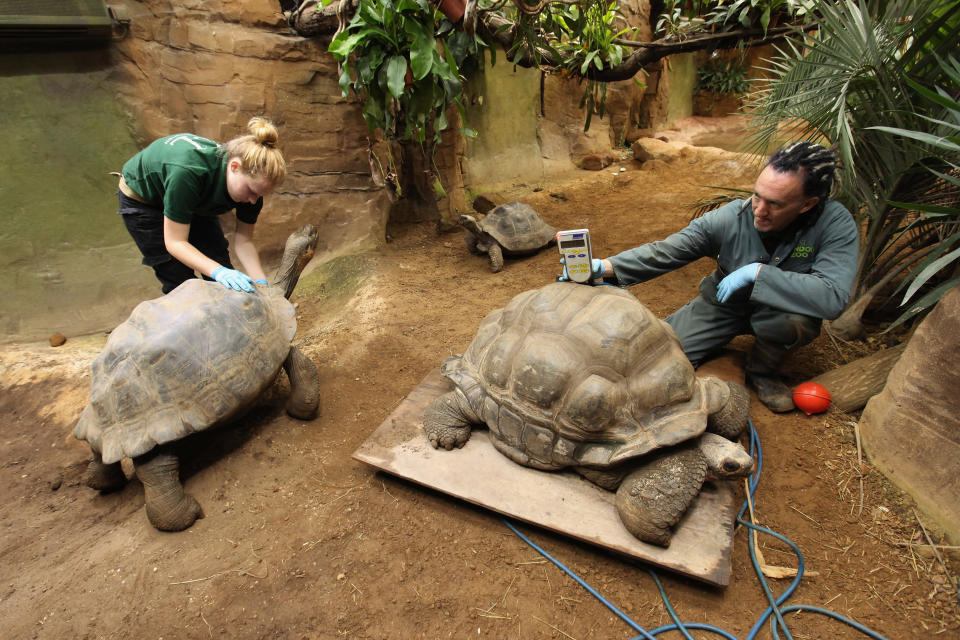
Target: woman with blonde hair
<point>173,192</point>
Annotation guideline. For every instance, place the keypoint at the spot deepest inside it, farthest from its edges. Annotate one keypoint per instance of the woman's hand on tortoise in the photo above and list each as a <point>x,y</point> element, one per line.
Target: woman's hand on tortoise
<point>232,279</point>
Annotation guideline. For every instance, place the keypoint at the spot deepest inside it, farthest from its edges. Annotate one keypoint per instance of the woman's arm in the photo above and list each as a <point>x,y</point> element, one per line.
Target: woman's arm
<point>247,251</point>
<point>175,238</point>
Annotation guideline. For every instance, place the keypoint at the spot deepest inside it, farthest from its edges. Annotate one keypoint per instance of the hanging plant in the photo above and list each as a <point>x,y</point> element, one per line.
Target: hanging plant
<point>406,64</point>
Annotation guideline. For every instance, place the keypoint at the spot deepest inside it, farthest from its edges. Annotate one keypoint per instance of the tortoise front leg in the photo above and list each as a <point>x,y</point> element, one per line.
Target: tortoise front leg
<point>104,477</point>
<point>472,242</point>
<point>654,497</point>
<point>447,421</point>
<point>169,508</point>
<point>730,420</point>
<point>304,398</point>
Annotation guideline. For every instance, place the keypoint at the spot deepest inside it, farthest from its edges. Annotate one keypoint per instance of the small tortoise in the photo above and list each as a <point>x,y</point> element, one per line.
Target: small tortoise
<point>511,229</point>
<point>189,361</point>
<point>570,376</point>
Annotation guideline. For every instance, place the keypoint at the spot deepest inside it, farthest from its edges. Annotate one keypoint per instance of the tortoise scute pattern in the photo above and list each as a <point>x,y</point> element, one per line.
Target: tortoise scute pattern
<point>587,378</point>
<point>517,227</point>
<point>182,363</point>
<point>566,375</point>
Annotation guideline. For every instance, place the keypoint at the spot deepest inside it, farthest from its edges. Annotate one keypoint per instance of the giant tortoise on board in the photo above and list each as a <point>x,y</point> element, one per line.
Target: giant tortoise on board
<point>191,360</point>
<point>587,378</point>
<point>513,229</point>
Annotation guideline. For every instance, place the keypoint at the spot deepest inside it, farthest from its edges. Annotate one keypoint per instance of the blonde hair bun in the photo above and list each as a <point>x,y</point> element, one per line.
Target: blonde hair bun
<point>263,131</point>
<point>258,152</point>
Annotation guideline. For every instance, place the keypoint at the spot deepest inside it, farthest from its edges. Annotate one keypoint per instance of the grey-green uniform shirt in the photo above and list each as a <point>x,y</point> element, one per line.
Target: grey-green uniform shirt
<point>186,175</point>
<point>810,272</point>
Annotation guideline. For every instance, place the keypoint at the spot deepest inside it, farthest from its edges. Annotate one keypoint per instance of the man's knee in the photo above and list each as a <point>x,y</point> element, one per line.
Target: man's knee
<point>703,328</point>
<point>788,329</point>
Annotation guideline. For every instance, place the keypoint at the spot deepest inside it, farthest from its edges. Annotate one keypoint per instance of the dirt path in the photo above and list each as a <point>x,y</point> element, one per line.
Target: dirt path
<point>301,541</point>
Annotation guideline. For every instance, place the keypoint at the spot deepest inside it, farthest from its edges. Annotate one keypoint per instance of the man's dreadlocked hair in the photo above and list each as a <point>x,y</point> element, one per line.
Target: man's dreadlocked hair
<point>817,163</point>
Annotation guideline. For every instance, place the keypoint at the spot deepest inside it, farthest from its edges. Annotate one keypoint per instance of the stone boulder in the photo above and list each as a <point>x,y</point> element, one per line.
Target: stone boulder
<point>911,429</point>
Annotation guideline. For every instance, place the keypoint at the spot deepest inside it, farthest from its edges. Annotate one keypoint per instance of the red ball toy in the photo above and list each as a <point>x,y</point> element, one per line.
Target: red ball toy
<point>811,398</point>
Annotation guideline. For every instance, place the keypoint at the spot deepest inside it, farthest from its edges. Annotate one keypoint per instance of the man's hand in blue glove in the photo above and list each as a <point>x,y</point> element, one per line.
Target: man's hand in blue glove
<point>596,271</point>
<point>232,279</point>
<point>742,277</point>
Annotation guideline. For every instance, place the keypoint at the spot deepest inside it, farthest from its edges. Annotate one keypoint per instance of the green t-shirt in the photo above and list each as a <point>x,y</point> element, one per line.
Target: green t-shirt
<point>188,174</point>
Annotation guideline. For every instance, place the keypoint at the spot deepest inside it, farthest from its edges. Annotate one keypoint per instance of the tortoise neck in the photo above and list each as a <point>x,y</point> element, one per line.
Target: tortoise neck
<point>291,266</point>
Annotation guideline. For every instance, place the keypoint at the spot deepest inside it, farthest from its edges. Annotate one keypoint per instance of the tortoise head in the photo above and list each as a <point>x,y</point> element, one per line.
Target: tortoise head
<point>296,254</point>
<point>471,224</point>
<point>725,459</point>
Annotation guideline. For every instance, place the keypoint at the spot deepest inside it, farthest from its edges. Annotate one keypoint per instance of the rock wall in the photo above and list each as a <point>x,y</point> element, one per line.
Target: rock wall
<point>208,66</point>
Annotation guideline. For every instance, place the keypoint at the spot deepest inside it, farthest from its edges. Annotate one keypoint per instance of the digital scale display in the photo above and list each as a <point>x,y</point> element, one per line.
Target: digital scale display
<point>574,246</point>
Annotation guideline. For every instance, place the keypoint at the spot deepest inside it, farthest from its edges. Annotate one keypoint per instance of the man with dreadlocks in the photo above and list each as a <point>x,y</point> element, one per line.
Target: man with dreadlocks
<point>786,259</point>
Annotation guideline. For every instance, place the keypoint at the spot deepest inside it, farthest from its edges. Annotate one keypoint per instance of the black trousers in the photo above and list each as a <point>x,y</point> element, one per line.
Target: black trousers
<point>145,224</point>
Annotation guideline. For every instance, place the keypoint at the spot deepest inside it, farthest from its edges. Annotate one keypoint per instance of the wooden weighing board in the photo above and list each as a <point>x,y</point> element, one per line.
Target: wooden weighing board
<point>563,502</point>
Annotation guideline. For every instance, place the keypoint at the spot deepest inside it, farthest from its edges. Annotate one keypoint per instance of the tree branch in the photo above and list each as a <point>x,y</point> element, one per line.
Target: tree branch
<point>312,21</point>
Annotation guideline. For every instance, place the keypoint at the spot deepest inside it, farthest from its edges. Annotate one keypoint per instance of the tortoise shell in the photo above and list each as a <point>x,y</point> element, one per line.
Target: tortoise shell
<point>572,375</point>
<point>517,227</point>
<point>182,363</point>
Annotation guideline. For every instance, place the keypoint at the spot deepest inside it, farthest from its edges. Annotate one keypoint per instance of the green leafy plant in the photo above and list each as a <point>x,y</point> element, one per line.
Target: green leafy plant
<point>836,85</point>
<point>579,37</point>
<point>683,17</point>
<point>744,13</point>
<point>586,35</point>
<point>723,75</point>
<point>680,19</point>
<point>406,64</point>
<point>939,271</point>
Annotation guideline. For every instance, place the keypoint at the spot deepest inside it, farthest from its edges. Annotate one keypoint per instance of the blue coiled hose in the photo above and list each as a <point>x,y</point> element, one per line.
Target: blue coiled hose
<point>774,612</point>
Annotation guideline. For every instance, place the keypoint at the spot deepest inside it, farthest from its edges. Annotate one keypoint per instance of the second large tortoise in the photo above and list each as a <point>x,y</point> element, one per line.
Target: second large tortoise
<point>587,378</point>
<point>188,361</point>
<point>514,228</point>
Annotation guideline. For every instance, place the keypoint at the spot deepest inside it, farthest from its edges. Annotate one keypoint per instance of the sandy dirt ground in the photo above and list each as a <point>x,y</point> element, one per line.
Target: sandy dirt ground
<point>302,541</point>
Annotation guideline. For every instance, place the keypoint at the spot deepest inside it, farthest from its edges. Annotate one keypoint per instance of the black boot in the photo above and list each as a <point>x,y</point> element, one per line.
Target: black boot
<point>772,392</point>
<point>762,366</point>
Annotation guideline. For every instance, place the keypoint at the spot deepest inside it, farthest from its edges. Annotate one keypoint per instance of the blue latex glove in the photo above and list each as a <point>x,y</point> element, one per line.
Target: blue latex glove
<point>232,279</point>
<point>596,271</point>
<point>261,281</point>
<point>742,277</point>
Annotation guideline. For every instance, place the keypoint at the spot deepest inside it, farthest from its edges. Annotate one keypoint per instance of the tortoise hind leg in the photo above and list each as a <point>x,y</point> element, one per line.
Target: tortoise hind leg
<point>304,399</point>
<point>104,477</point>
<point>653,498</point>
<point>169,508</point>
<point>447,421</point>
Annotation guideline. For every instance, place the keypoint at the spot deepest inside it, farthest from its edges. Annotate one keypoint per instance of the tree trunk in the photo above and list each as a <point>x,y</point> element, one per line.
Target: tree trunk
<point>323,22</point>
<point>852,384</point>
